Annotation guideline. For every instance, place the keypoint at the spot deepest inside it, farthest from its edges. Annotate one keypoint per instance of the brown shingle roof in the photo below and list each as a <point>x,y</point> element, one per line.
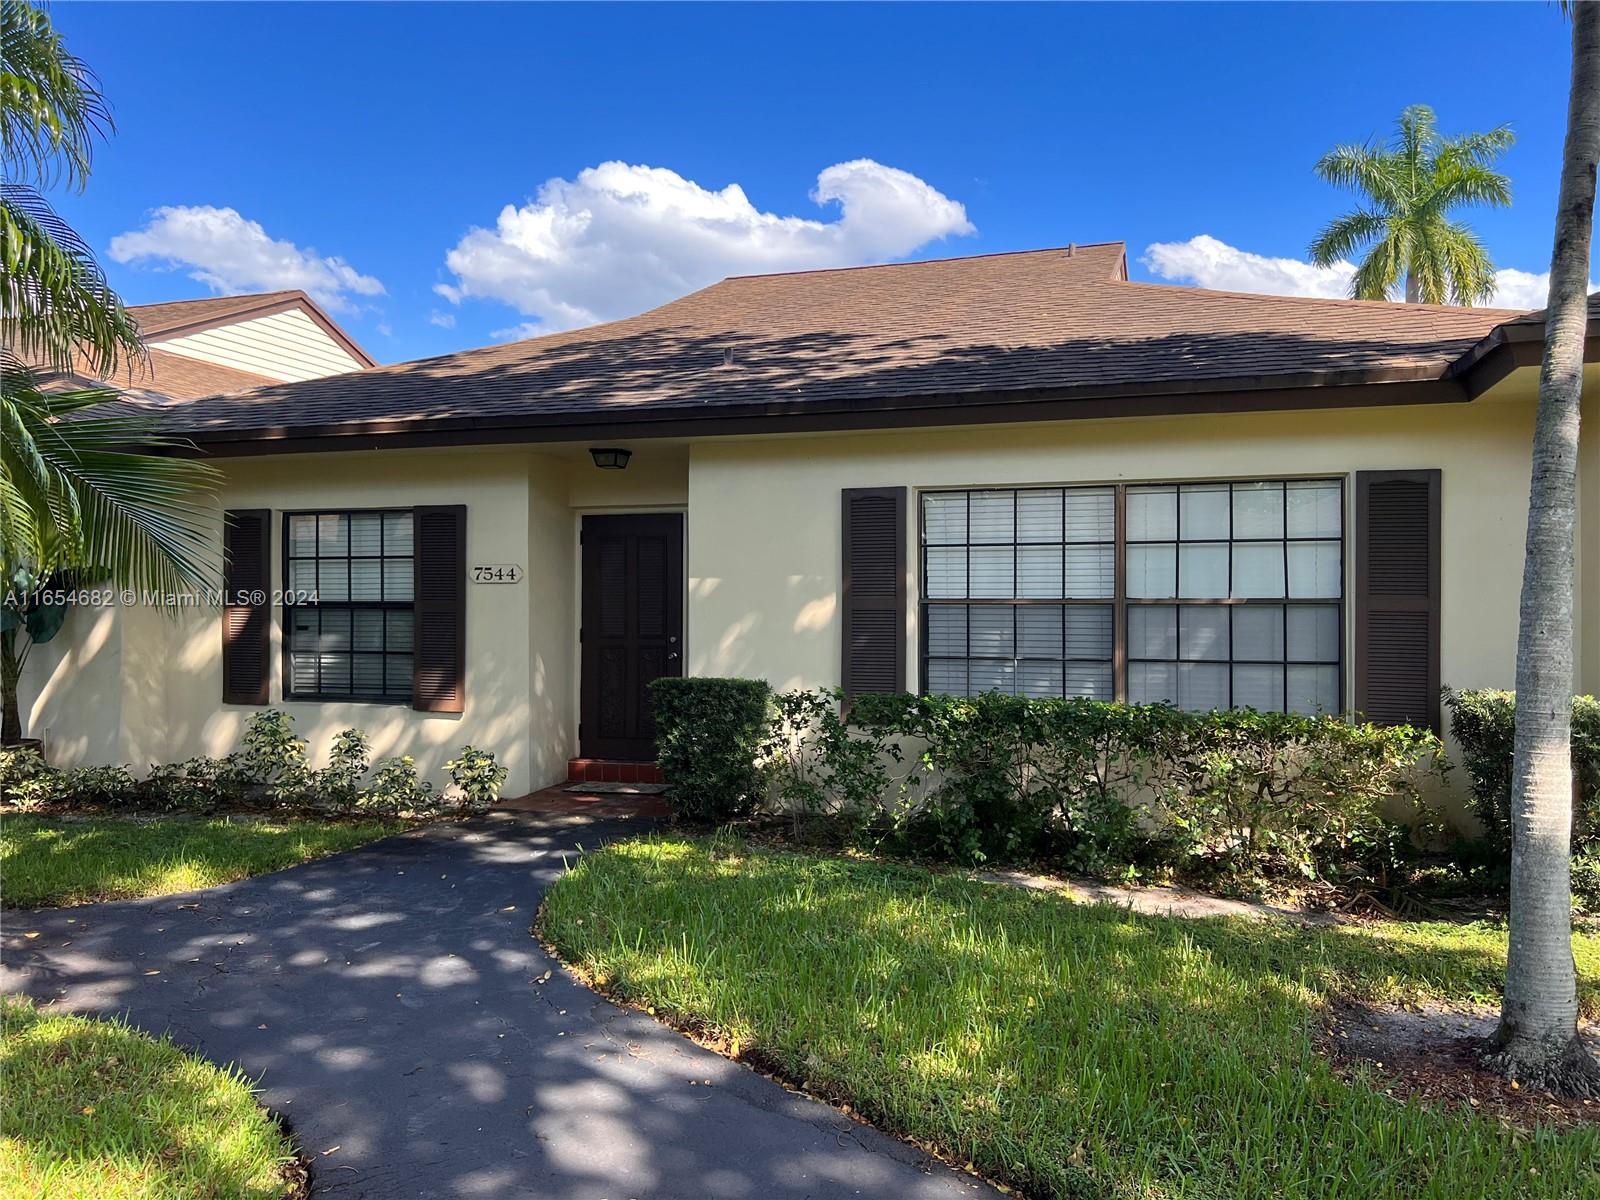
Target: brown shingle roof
<point>178,314</point>
<point>166,376</point>
<point>1038,321</point>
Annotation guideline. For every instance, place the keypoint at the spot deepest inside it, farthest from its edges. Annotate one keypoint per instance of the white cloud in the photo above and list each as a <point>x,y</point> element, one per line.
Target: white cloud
<point>622,238</point>
<point>1209,263</point>
<point>443,320</point>
<point>1523,289</point>
<point>229,253</point>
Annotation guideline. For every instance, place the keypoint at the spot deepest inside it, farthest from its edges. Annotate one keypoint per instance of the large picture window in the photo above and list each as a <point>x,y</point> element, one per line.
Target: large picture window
<point>355,642</point>
<point>1207,595</point>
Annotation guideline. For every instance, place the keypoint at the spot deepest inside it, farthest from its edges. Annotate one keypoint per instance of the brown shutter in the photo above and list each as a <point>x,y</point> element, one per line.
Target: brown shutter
<point>873,597</point>
<point>439,662</point>
<point>1397,597</point>
<point>246,611</point>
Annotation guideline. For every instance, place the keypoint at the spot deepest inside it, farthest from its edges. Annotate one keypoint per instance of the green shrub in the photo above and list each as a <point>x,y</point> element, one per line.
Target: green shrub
<point>1484,721</point>
<point>275,758</point>
<point>337,786</point>
<point>197,784</point>
<point>709,736</point>
<point>105,787</point>
<point>27,782</point>
<point>395,789</point>
<point>1101,787</point>
<point>821,767</point>
<point>476,777</point>
<point>1263,794</point>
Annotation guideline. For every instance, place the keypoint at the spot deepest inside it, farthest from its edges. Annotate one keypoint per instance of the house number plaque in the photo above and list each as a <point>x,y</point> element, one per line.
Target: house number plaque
<point>496,573</point>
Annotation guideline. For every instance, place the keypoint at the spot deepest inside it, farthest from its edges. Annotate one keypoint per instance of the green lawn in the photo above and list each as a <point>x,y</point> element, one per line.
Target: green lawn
<point>44,860</point>
<point>94,1110</point>
<point>1074,1051</point>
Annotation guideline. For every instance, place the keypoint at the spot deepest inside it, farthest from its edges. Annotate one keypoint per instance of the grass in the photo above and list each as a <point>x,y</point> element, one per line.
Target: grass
<point>48,861</point>
<point>95,1110</point>
<point>1071,1050</point>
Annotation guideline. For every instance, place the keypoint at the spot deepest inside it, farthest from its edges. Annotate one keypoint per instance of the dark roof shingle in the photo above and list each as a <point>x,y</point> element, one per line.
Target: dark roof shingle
<point>1038,320</point>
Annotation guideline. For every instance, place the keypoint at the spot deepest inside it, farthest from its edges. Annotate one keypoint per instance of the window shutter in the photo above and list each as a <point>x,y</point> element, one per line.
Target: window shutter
<point>439,662</point>
<point>1397,597</point>
<point>246,613</point>
<point>873,597</point>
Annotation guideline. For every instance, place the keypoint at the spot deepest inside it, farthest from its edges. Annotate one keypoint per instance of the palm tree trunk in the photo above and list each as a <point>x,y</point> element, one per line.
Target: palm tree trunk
<point>1413,288</point>
<point>10,676</point>
<point>1538,1036</point>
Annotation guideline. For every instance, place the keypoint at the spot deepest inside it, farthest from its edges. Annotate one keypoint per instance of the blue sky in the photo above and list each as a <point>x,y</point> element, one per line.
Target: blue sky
<point>354,149</point>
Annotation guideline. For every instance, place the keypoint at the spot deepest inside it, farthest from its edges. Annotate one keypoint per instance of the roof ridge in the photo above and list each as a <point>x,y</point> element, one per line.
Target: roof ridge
<point>926,262</point>
<point>1393,305</point>
<point>220,299</point>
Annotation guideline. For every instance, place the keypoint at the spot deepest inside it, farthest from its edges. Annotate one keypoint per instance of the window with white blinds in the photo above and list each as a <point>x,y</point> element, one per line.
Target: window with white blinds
<point>1230,594</point>
<point>355,641</point>
<point>1018,590</point>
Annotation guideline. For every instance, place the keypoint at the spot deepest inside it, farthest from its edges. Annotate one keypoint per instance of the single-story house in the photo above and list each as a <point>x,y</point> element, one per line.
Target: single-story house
<point>1016,471</point>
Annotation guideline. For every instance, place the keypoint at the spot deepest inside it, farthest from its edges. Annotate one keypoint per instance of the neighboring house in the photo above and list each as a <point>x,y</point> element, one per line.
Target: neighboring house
<point>1018,471</point>
<point>198,348</point>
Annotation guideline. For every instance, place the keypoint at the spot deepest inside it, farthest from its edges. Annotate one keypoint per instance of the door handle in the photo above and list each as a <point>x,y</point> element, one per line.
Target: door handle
<point>671,655</point>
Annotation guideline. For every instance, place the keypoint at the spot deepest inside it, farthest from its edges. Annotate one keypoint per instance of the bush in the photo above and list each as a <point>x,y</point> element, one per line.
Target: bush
<point>395,789</point>
<point>337,786</point>
<point>106,787</point>
<point>1484,723</point>
<point>820,767</point>
<point>27,782</point>
<point>709,736</point>
<point>195,785</point>
<point>275,758</point>
<point>476,777</point>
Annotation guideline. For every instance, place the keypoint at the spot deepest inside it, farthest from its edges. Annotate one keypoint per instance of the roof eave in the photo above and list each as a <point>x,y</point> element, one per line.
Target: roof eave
<point>1370,388</point>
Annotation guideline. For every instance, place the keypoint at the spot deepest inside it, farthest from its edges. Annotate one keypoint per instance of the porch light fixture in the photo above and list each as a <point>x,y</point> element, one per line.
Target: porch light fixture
<point>610,458</point>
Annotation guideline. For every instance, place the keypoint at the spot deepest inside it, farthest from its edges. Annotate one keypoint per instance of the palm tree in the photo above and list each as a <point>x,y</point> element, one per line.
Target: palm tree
<point>1538,1037</point>
<point>86,492</point>
<point>1404,229</point>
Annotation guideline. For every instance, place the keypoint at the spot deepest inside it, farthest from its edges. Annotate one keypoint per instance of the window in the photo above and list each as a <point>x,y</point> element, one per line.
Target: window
<point>1229,594</point>
<point>1018,589</point>
<point>355,641</point>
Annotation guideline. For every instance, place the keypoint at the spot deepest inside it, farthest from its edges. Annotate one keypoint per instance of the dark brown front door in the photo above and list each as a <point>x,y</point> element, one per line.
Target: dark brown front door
<point>632,628</point>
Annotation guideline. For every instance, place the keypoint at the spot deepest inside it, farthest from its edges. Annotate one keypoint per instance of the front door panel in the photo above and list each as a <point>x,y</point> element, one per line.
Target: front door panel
<point>632,628</point>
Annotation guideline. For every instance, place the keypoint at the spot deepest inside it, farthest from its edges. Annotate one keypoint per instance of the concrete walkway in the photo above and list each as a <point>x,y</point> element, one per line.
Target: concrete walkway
<point>1160,901</point>
<point>421,1043</point>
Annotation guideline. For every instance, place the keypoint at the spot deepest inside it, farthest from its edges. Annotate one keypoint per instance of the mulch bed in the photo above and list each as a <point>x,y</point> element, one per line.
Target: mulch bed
<point>1433,1053</point>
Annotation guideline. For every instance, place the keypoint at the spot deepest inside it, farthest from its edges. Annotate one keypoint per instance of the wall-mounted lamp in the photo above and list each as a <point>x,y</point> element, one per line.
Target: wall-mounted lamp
<point>610,458</point>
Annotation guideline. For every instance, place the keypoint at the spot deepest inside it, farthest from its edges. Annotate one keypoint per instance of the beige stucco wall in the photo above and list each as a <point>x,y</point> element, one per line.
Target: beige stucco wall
<point>763,562</point>
<point>134,686</point>
<point>764,528</point>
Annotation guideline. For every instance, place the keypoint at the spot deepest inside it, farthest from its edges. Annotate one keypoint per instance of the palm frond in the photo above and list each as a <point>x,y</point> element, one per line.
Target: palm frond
<point>1378,273</point>
<point>1363,169</point>
<point>105,494</point>
<point>1345,236</point>
<point>1466,263</point>
<point>55,304</point>
<point>51,109</point>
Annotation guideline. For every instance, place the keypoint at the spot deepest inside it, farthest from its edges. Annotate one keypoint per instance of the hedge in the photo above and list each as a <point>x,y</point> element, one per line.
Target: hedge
<point>1483,722</point>
<point>1089,785</point>
<point>709,734</point>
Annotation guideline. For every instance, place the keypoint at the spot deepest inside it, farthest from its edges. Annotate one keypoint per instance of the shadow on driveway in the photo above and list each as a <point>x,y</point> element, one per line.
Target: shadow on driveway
<point>387,1000</point>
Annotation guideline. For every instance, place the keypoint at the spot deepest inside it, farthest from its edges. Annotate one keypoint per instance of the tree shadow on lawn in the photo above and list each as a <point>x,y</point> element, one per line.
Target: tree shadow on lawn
<point>1057,1045</point>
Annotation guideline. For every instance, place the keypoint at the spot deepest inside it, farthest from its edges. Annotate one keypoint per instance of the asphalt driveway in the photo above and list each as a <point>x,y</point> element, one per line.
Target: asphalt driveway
<point>390,1000</point>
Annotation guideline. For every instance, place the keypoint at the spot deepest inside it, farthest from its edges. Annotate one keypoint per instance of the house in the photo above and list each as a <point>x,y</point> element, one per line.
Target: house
<point>1019,471</point>
<point>198,348</point>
